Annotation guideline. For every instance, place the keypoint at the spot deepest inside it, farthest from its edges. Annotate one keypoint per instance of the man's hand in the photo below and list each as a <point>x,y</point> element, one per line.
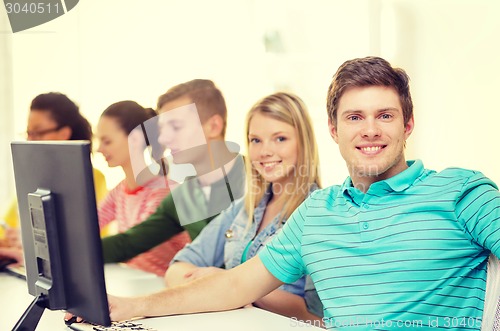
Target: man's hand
<point>13,253</point>
<point>121,309</point>
<point>13,238</point>
<point>69,319</point>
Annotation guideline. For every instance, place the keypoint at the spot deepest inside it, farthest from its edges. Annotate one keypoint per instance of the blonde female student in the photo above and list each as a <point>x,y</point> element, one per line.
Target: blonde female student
<point>282,169</point>
<point>132,201</point>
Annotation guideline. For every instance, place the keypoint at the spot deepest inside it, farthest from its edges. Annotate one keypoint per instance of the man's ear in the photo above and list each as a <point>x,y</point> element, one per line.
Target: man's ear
<point>64,133</point>
<point>214,127</point>
<point>333,130</point>
<point>409,127</point>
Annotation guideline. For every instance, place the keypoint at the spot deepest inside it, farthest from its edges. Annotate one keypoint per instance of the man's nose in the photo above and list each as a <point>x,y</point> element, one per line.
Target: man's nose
<point>370,128</point>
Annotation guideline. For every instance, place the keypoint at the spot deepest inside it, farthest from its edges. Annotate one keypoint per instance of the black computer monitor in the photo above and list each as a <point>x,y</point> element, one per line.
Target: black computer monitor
<point>60,230</point>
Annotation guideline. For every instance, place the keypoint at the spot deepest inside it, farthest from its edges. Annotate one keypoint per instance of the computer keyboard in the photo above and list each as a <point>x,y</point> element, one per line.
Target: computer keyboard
<point>19,271</point>
<point>116,326</point>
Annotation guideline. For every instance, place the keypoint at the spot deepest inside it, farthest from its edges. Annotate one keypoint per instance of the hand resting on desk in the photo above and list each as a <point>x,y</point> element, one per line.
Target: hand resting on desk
<point>12,253</point>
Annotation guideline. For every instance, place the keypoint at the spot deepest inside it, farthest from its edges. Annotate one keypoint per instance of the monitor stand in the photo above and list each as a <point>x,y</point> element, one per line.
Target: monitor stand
<point>29,320</point>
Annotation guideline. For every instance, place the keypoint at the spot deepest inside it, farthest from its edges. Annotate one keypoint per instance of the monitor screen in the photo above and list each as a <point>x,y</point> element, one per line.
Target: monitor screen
<point>60,230</point>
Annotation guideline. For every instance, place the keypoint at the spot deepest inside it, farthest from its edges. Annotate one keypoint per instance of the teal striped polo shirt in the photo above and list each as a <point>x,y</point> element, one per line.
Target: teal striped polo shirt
<point>410,253</point>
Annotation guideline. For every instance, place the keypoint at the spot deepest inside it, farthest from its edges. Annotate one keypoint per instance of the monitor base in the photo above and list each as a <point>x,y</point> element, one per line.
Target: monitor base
<point>29,320</point>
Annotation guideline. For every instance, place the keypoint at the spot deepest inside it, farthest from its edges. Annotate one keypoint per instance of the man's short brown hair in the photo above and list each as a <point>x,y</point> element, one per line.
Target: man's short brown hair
<point>204,94</point>
<point>369,71</point>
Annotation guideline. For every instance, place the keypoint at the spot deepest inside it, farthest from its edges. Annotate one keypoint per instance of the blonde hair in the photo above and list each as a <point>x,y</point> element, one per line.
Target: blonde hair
<point>290,109</point>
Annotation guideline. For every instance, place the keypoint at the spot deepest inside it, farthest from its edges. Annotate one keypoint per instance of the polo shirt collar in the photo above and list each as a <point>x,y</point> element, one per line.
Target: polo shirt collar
<point>406,178</point>
<point>398,183</point>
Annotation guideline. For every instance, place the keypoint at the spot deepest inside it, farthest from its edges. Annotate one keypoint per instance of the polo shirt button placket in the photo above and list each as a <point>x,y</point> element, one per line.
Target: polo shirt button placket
<point>364,226</point>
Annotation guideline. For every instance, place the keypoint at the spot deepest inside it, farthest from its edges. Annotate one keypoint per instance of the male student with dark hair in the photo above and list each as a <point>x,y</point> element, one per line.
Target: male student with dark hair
<point>395,243</point>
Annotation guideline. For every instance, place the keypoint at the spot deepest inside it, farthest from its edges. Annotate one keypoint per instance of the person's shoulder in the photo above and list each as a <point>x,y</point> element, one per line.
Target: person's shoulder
<point>322,195</point>
<point>458,172</point>
<point>238,203</point>
<point>98,174</point>
<point>158,184</point>
<point>238,166</point>
<point>118,189</point>
<point>463,176</point>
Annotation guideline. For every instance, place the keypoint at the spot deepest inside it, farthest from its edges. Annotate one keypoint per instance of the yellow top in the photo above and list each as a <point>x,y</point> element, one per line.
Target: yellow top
<point>11,218</point>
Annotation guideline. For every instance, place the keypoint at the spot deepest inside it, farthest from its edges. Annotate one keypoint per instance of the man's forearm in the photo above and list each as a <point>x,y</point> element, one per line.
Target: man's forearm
<point>175,273</point>
<point>239,286</point>
<point>286,304</point>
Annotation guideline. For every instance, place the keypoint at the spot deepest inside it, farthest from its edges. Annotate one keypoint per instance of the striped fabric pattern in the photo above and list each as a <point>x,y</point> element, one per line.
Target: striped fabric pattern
<point>131,208</point>
<point>410,253</point>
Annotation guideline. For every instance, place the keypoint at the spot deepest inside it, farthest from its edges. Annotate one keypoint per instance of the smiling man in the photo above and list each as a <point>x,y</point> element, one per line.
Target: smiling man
<point>371,125</point>
<point>396,246</point>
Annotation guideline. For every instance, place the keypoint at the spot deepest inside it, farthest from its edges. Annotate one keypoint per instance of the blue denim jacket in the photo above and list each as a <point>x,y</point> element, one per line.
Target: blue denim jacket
<point>222,242</point>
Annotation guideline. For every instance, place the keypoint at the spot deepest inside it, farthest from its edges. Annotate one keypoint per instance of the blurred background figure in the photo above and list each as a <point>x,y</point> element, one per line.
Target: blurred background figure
<point>122,143</point>
<point>53,116</point>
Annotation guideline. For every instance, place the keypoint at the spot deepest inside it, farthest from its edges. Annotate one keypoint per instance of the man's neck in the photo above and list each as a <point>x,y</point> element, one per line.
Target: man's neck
<point>218,156</point>
<point>363,182</point>
<point>216,175</point>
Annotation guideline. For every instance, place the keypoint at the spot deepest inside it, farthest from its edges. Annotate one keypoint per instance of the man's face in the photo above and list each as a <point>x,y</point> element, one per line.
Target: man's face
<point>371,133</point>
<point>181,130</point>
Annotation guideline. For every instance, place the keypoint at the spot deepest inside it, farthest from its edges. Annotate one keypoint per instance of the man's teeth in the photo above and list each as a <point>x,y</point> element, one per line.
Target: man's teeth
<point>371,149</point>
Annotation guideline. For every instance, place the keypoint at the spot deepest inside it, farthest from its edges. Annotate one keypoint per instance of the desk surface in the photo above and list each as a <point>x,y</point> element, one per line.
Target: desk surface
<point>14,299</point>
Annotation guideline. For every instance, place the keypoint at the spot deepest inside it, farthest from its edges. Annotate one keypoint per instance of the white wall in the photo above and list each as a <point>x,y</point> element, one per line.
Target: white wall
<point>106,51</point>
<point>6,128</point>
<point>451,50</point>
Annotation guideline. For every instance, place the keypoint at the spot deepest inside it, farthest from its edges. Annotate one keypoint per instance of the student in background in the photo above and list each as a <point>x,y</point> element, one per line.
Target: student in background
<point>129,203</point>
<point>52,116</point>
<point>282,169</point>
<point>195,135</point>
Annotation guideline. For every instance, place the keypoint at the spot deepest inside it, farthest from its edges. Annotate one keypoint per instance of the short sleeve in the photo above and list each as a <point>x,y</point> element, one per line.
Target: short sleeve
<point>282,256</point>
<point>479,211</point>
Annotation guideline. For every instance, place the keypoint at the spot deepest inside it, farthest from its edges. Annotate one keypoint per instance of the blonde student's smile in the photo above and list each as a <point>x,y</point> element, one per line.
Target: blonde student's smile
<point>268,166</point>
